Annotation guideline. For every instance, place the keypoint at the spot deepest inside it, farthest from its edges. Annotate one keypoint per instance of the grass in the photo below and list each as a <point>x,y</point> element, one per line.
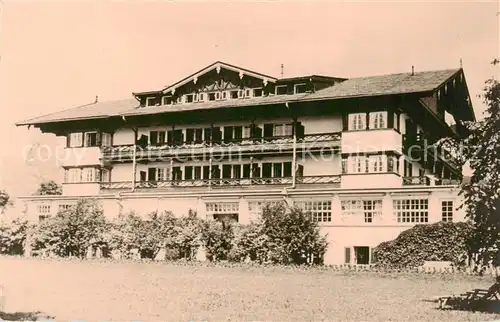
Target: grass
<point>93,290</point>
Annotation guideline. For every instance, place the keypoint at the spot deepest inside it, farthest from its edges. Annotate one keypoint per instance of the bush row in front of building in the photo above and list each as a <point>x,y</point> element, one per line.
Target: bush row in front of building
<point>283,235</point>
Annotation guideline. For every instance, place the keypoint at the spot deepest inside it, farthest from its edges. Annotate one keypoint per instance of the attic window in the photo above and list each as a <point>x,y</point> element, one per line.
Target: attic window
<point>189,98</point>
<point>281,90</point>
<point>224,95</point>
<point>202,97</point>
<point>257,92</point>
<point>234,94</point>
<point>150,101</point>
<point>167,100</point>
<point>211,96</point>
<point>300,88</point>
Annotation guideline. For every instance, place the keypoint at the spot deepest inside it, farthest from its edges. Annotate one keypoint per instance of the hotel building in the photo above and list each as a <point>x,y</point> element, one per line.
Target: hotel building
<point>360,154</point>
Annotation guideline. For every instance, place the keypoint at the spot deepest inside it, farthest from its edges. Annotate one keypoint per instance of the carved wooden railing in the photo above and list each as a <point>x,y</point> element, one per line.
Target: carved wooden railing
<point>326,179</point>
<point>269,144</point>
<point>416,181</point>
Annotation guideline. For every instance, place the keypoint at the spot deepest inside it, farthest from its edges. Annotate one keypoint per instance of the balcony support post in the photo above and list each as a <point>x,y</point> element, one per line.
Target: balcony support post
<point>294,154</point>
<point>134,157</point>
<point>210,172</point>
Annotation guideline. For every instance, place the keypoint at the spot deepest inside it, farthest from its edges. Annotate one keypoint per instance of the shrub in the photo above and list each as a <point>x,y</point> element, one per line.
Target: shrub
<point>443,241</point>
<point>247,244</point>
<point>189,235</point>
<point>73,231</point>
<point>13,237</point>
<point>217,239</point>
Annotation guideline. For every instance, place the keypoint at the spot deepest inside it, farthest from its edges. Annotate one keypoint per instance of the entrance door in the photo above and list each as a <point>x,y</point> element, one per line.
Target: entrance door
<point>362,255</point>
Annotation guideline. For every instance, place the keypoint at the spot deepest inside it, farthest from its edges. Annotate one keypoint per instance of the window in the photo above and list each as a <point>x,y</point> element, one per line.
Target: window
<point>396,121</point>
<point>74,175</point>
<point>378,120</point>
<point>300,88</point>
<point>91,139</point>
<point>369,209</point>
<point>281,90</point>
<point>347,255</point>
<point>163,174</point>
<point>43,211</point>
<point>447,210</point>
<point>167,100</point>
<point>211,96</point>
<point>377,163</point>
<point>321,211</point>
<point>247,93</point>
<point>150,101</point>
<point>197,173</point>
<point>189,98</point>
<point>222,207</point>
<point>224,95</point>
<point>202,97</point>
<point>359,164</point>
<point>411,210</point>
<point>257,92</point>
<point>89,175</point>
<point>157,137</point>
<point>234,94</point>
<point>357,122</point>
<point>392,163</point>
<point>75,140</point>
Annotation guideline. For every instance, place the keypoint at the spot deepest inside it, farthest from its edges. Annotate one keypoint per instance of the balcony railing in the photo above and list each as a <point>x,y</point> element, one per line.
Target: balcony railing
<point>255,145</point>
<point>230,182</point>
<point>416,181</point>
<point>422,142</point>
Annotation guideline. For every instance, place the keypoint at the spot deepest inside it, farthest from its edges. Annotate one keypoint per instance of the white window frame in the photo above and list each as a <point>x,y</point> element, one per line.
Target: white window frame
<point>447,210</point>
<point>164,100</point>
<point>276,89</point>
<point>85,139</point>
<point>106,139</point>
<point>369,209</point>
<point>148,100</point>
<point>378,163</point>
<point>256,89</point>
<point>357,122</point>
<point>411,210</point>
<point>357,164</point>
<point>321,210</point>
<point>297,85</point>
<point>222,207</point>
<point>378,120</point>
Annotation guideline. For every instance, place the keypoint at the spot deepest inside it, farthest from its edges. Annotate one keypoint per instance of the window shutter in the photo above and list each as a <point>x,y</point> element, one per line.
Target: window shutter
<point>373,256</point>
<point>347,255</point>
<point>68,140</point>
<point>345,122</point>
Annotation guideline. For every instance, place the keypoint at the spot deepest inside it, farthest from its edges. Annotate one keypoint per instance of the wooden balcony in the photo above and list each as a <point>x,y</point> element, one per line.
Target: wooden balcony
<point>416,181</point>
<point>311,142</point>
<point>231,182</point>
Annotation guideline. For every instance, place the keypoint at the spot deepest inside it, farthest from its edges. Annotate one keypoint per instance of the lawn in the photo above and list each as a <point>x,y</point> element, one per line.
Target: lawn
<point>93,290</point>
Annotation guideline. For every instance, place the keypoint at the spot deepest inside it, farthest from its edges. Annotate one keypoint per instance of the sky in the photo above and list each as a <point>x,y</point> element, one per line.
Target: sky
<point>56,55</point>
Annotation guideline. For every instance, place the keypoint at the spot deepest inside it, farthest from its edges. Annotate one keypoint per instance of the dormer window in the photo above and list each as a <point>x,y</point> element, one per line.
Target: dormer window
<point>300,88</point>
<point>196,97</point>
<point>189,98</point>
<point>281,90</point>
<point>257,92</point>
<point>224,95</point>
<point>167,100</point>
<point>211,96</point>
<point>234,94</point>
<point>247,93</point>
<point>150,101</point>
<point>241,93</point>
<point>217,96</point>
<point>202,97</point>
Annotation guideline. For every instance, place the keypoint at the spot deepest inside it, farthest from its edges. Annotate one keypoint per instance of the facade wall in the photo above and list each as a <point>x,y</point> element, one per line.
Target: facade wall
<point>371,141</point>
<point>123,136</point>
<point>321,124</point>
<point>80,189</point>
<point>84,156</point>
<point>375,180</point>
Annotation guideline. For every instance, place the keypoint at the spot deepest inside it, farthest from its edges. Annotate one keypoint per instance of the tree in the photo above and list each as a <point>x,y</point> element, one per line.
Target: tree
<point>481,148</point>
<point>49,188</point>
<point>292,236</point>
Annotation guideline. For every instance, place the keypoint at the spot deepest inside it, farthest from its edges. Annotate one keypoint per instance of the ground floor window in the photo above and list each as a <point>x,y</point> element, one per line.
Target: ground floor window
<point>321,210</point>
<point>411,210</point>
<point>64,207</point>
<point>366,208</point>
<point>447,210</point>
<point>43,211</point>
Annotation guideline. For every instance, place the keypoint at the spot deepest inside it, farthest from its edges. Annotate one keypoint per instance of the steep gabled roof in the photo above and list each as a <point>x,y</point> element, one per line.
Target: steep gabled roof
<point>89,111</point>
<point>216,65</point>
<point>355,87</point>
<point>386,84</point>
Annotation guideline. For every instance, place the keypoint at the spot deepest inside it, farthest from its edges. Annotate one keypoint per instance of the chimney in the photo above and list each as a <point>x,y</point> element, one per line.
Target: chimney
<point>96,99</point>
<point>282,67</point>
<point>412,70</point>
